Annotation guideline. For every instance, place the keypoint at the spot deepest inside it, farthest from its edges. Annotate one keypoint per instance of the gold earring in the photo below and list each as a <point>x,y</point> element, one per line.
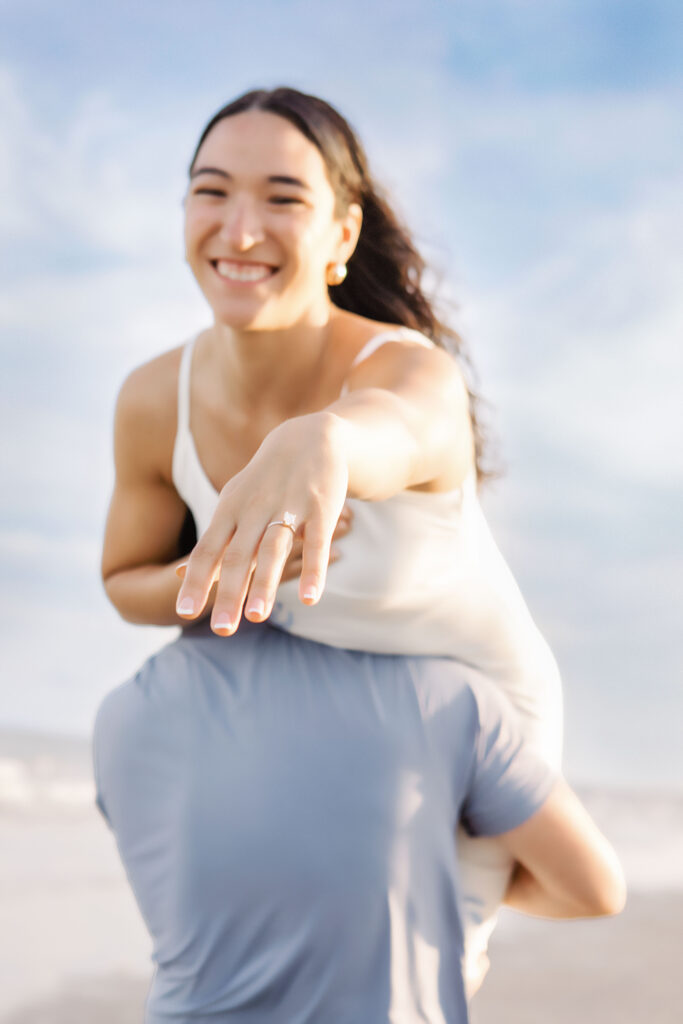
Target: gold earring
<point>336,273</point>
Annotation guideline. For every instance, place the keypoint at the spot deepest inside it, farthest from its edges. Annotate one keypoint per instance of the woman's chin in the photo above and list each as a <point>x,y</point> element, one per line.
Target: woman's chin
<point>240,317</point>
<point>264,317</point>
<point>246,323</point>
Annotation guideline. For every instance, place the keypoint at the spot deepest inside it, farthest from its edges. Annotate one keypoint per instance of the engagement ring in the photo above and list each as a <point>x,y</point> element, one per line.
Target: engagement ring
<point>288,520</point>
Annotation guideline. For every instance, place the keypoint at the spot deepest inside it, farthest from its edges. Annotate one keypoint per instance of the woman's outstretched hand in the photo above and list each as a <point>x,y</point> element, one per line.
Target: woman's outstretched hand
<point>294,563</point>
<point>300,469</point>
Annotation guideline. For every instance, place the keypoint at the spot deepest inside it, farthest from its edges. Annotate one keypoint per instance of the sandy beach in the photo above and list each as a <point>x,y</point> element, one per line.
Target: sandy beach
<point>73,949</point>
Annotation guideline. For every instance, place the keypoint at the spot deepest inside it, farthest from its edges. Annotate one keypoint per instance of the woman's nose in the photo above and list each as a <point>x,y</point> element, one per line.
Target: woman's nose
<point>241,226</point>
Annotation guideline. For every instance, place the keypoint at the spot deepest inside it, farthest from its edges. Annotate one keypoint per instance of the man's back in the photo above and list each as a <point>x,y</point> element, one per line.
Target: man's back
<point>286,813</point>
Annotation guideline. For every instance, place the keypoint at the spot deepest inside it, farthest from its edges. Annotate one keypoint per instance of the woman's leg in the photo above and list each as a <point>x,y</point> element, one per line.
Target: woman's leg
<point>485,866</point>
<point>485,869</point>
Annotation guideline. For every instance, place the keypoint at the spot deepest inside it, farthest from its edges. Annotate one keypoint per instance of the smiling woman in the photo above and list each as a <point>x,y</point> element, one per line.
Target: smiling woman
<point>301,808</point>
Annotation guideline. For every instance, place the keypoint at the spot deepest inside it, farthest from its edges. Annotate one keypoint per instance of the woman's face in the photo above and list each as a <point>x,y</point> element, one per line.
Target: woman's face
<point>260,226</point>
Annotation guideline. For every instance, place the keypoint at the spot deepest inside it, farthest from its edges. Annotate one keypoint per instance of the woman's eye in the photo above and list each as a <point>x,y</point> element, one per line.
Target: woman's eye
<point>283,200</point>
<point>209,192</point>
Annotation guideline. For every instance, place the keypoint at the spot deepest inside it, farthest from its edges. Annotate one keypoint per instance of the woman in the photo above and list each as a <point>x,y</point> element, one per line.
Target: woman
<point>319,382</point>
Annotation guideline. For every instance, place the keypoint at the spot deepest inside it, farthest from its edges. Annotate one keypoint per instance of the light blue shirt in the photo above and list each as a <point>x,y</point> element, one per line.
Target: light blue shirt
<point>286,813</point>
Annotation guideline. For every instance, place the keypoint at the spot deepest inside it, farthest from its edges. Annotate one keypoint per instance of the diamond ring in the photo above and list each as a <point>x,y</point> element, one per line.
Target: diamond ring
<point>288,520</point>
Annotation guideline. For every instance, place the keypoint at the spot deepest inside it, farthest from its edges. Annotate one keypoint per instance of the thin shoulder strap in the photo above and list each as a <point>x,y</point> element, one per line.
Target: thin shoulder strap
<point>395,334</point>
<point>184,387</point>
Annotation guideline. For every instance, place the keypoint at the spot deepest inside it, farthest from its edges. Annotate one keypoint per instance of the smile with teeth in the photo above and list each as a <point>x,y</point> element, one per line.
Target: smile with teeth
<point>248,272</point>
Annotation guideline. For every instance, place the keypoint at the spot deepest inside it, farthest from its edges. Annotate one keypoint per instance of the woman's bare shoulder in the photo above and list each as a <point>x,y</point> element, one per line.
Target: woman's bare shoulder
<point>361,328</point>
<point>151,388</point>
<point>357,331</point>
<point>354,332</point>
<point>146,408</point>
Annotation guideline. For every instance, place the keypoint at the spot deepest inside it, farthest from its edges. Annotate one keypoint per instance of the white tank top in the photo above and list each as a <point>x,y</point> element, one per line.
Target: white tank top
<point>420,574</point>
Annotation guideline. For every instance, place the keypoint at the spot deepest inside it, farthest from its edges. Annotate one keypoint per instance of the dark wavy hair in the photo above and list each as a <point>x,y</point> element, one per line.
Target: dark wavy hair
<point>384,279</point>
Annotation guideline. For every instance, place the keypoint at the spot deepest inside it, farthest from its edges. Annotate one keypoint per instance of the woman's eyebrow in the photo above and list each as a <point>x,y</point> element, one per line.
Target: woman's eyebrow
<point>285,179</point>
<point>275,179</point>
<point>210,170</point>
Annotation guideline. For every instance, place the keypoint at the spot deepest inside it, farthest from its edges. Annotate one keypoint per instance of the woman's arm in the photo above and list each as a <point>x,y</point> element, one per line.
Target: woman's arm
<point>141,563</point>
<point>566,867</point>
<point>146,515</point>
<point>404,422</point>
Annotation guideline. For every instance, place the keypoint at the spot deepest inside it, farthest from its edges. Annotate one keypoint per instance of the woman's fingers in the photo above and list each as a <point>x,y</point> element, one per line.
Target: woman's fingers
<point>316,556</point>
<point>344,523</point>
<point>272,555</point>
<point>294,563</point>
<point>242,569</point>
<point>200,573</point>
<point>236,569</point>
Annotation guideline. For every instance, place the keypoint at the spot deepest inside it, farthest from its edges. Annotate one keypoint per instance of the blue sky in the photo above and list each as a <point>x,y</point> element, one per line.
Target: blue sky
<point>536,151</point>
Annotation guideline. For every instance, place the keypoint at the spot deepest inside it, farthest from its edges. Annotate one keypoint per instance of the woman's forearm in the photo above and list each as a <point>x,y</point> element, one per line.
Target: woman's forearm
<point>381,451</point>
<point>146,595</point>
<point>386,445</point>
<point>406,422</point>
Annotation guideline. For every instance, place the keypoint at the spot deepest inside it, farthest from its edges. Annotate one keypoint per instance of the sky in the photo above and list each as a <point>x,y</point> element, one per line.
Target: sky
<point>536,151</point>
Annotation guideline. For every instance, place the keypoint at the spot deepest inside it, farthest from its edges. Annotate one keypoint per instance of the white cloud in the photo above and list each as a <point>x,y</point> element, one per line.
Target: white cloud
<point>103,179</point>
<point>585,346</point>
<point>627,133</point>
<point>37,552</point>
<point>60,656</point>
<point>111,312</point>
<point>64,646</point>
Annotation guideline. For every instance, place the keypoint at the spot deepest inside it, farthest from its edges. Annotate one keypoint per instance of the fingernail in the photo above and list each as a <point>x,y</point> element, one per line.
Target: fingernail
<point>222,622</point>
<point>185,607</point>
<point>256,607</point>
<point>310,594</point>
